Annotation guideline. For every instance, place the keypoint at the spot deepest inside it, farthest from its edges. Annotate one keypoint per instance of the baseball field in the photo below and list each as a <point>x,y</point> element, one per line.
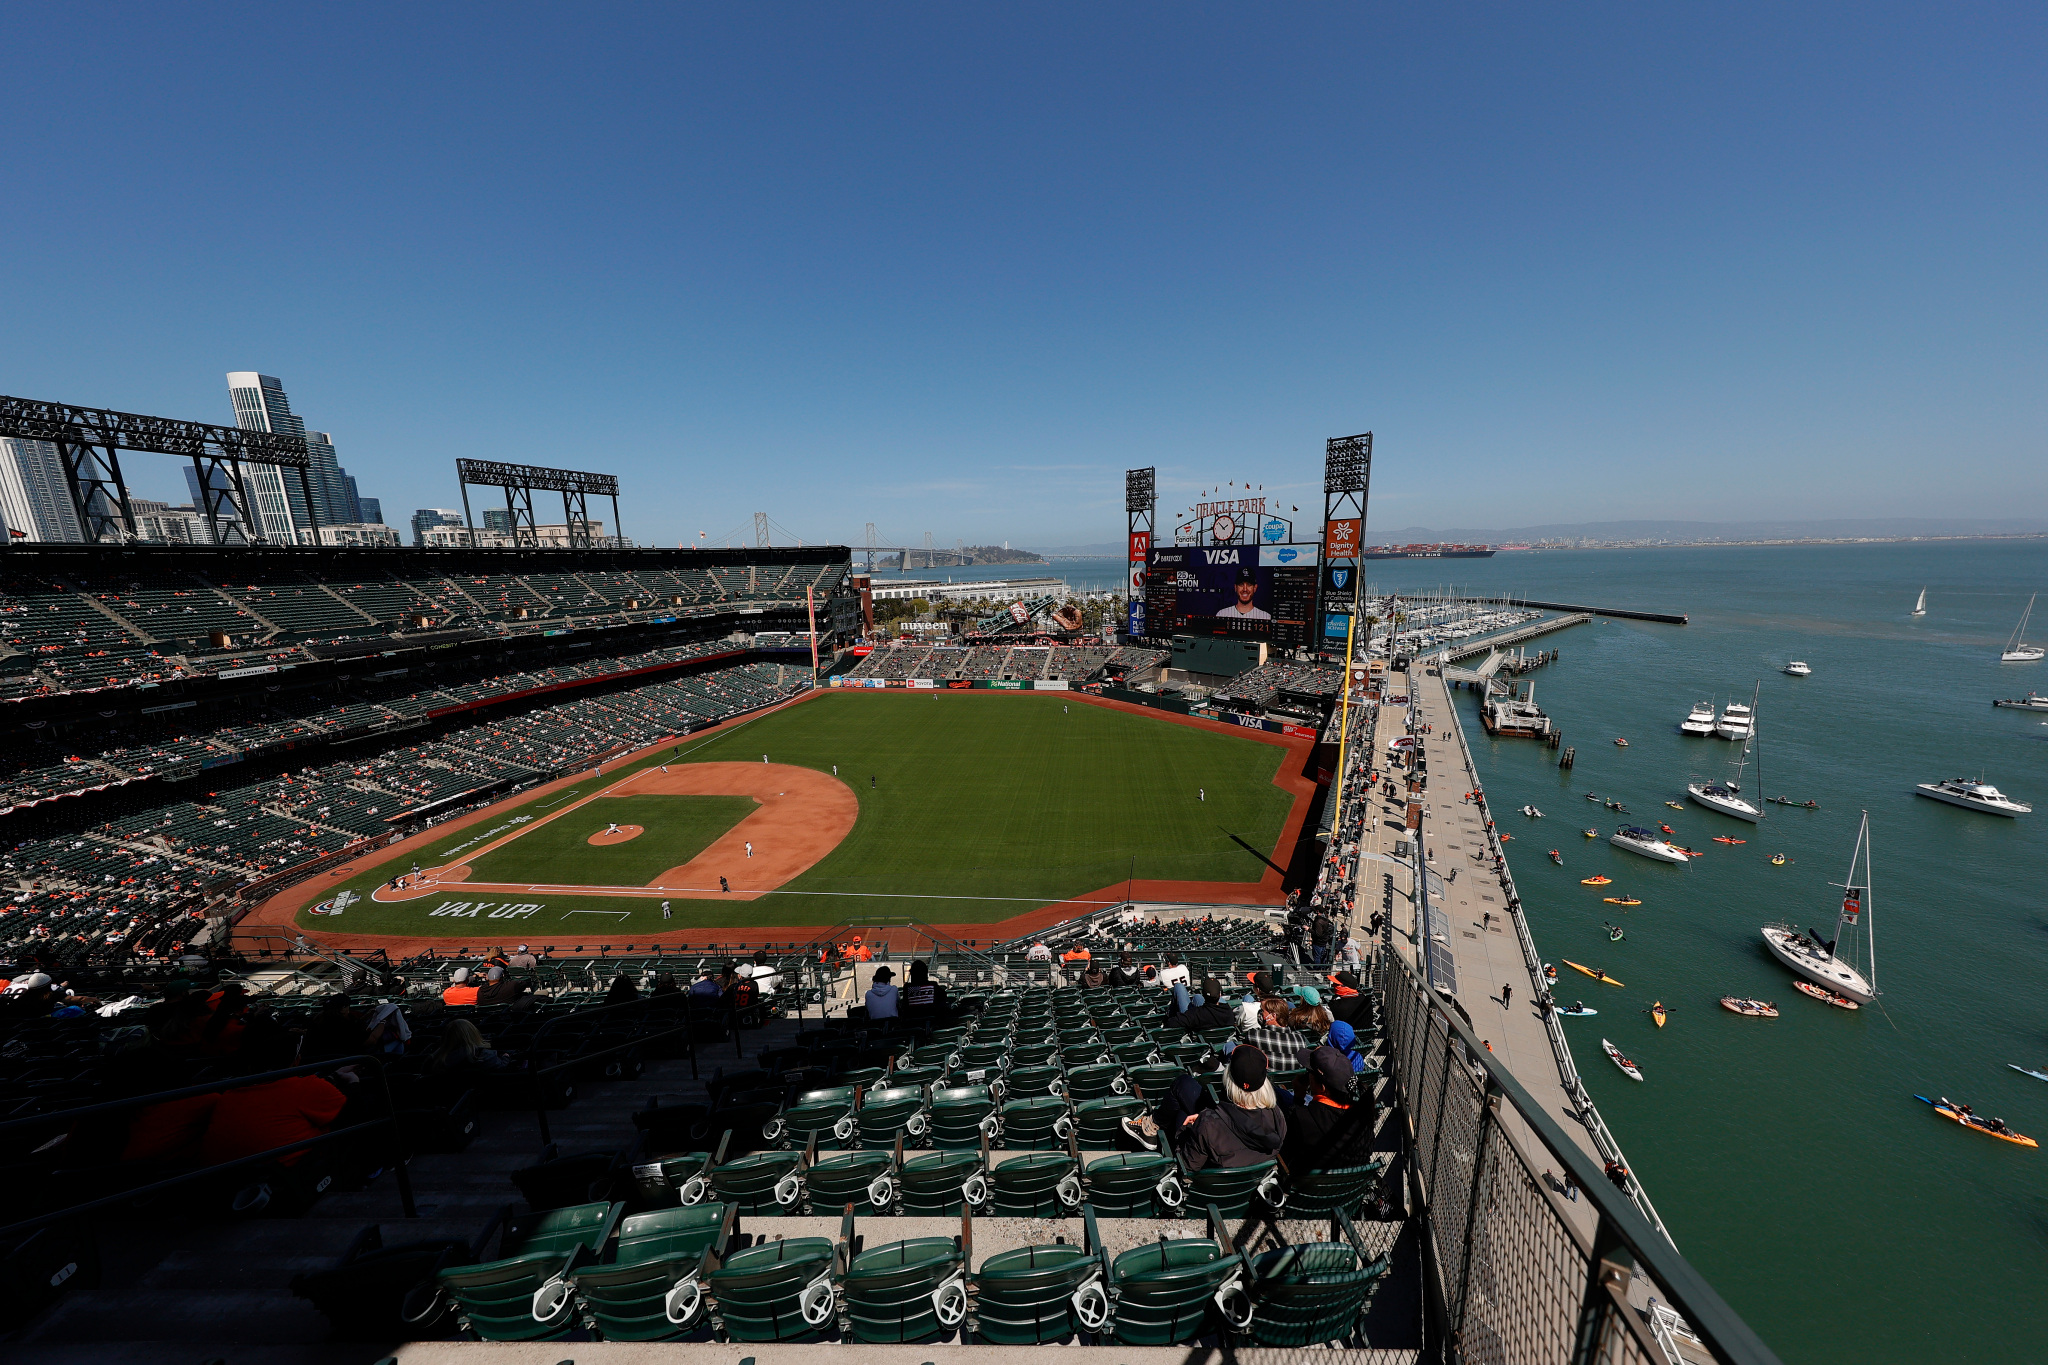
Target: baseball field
<point>954,808</point>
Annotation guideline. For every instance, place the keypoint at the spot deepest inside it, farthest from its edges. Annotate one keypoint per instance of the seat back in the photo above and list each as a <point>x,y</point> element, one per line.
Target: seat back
<point>1231,1188</point>
<point>1310,1293</point>
<point>775,1291</point>
<point>886,1114</point>
<point>1134,1185</point>
<point>651,1291</point>
<point>865,1180</point>
<point>825,1114</point>
<point>657,1181</point>
<point>1036,1185</point>
<point>1095,1081</point>
<point>959,1115</point>
<point>1164,1290</point>
<point>524,1295</point>
<point>941,1184</point>
<point>1098,1123</point>
<point>905,1291</point>
<point>1025,1297</point>
<point>1034,1123</point>
<point>1317,1194</point>
<point>764,1184</point>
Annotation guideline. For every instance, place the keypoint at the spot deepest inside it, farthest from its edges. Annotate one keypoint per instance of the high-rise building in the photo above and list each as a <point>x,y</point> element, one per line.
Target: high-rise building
<point>430,518</point>
<point>280,513</point>
<point>331,496</point>
<point>370,510</point>
<point>498,520</point>
<point>35,492</point>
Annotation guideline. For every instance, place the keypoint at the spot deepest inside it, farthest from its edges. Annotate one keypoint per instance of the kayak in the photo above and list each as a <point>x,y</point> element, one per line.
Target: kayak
<point>1688,852</point>
<point>1817,993</point>
<point>1667,829</point>
<point>2029,1071</point>
<point>1778,860</point>
<point>1621,900</point>
<point>1755,1009</point>
<point>1657,1013</point>
<point>1628,1068</point>
<point>1724,839</point>
<point>1580,1013</point>
<point>1594,881</point>
<point>1593,972</point>
<point>1549,972</point>
<point>1615,934</point>
<point>1557,857</point>
<point>1591,833</point>
<point>1954,1115</point>
<point>1674,805</point>
<point>1623,744</point>
<point>1595,796</point>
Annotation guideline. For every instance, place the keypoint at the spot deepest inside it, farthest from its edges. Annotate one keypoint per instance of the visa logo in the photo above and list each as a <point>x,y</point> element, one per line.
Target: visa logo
<point>1221,556</point>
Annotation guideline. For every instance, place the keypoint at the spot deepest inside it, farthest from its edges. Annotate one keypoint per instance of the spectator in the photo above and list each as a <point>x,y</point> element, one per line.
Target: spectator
<point>1038,952</point>
<point>1125,973</point>
<point>665,984</point>
<point>1174,974</point>
<point>1094,978</point>
<point>1328,1129</point>
<point>705,987</point>
<point>766,979</point>
<point>387,1031</point>
<point>523,959</point>
<point>1345,1040</point>
<point>502,989</point>
<point>1077,953</point>
<point>1247,1128</point>
<point>463,1048</point>
<point>623,990</point>
<point>1184,1103</point>
<point>882,995</point>
<point>924,998</point>
<point>256,1118</point>
<point>1322,932</point>
<point>1212,1011</point>
<point>1284,1047</point>
<point>459,991</point>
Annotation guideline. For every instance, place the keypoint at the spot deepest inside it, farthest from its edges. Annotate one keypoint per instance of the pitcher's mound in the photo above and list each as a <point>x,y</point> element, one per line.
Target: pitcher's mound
<point>624,832</point>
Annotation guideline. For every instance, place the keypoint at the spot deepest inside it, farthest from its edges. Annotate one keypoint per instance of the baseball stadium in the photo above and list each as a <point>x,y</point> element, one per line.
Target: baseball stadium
<point>500,952</point>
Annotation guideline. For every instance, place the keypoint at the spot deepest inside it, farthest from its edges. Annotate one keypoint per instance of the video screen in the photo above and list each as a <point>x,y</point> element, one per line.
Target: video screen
<point>1258,591</point>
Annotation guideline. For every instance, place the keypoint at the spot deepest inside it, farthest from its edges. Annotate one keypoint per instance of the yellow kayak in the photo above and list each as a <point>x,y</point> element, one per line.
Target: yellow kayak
<point>1657,1013</point>
<point>1593,972</point>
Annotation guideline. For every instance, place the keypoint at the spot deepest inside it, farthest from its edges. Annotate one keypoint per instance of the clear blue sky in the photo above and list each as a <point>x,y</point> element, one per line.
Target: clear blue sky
<point>954,268</point>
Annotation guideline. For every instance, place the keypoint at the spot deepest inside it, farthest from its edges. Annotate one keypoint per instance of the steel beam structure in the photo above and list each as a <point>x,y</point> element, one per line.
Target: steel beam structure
<point>88,439</point>
<point>1347,482</point>
<point>521,481</point>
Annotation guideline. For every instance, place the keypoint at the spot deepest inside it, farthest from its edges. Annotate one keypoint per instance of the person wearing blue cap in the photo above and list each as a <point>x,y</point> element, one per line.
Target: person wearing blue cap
<point>1345,1039</point>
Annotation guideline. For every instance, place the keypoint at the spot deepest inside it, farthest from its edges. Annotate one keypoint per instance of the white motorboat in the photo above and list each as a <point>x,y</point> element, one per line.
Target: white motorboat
<point>2017,650</point>
<point>1532,812</point>
<point>1636,839</point>
<point>2033,701</point>
<point>1700,721</point>
<point>1920,607</point>
<point>1726,797</point>
<point>1820,960</point>
<point>1796,669</point>
<point>1960,791</point>
<point>1737,722</point>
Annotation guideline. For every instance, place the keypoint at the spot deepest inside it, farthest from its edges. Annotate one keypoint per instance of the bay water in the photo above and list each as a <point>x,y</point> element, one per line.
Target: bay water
<point>1843,1218</point>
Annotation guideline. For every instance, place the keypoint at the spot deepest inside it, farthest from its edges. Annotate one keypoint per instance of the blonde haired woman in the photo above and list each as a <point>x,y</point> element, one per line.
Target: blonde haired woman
<point>1248,1128</point>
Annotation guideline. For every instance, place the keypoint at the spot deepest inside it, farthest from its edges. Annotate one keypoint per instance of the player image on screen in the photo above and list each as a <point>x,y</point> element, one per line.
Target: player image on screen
<point>1247,588</point>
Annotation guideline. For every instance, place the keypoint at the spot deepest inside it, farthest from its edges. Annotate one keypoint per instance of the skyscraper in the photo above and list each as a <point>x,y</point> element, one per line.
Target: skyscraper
<point>372,509</point>
<point>280,512</point>
<point>430,518</point>
<point>35,494</point>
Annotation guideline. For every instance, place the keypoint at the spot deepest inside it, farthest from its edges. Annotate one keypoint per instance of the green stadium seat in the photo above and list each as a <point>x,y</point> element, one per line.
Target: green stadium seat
<point>1028,1082</point>
<point>774,1291</point>
<point>764,1184</point>
<point>941,1184</point>
<point>1036,1185</point>
<point>651,1290</point>
<point>1025,1297</point>
<point>1134,1185</point>
<point>1165,1291</point>
<point>865,1180</point>
<point>657,1182</point>
<point>1342,1189</point>
<point>961,1115</point>
<point>930,1074</point>
<point>889,1113</point>
<point>1154,1081</point>
<point>525,1295</point>
<point>1031,1123</point>
<point>1095,1081</point>
<point>1306,1294</point>
<point>826,1115</point>
<point>1097,1122</point>
<point>914,1290</point>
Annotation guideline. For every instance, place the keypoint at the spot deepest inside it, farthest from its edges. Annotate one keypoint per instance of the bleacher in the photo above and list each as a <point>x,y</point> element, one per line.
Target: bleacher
<point>758,1178</point>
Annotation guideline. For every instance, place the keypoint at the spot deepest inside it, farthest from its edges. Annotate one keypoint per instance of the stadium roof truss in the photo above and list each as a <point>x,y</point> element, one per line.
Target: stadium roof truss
<point>521,481</point>
<point>89,440</point>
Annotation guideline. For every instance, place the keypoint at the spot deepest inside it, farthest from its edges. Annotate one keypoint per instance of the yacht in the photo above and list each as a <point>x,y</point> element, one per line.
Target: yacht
<point>1735,722</point>
<point>1960,791</point>
<point>1724,797</point>
<point>2033,701</point>
<point>1920,607</point>
<point>1797,669</point>
<point>1818,959</point>
<point>1700,722</point>
<point>2017,650</point>
<point>1636,839</point>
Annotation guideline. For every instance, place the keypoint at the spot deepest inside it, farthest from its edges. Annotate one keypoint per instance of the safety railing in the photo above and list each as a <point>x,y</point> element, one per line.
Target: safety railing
<point>1510,1272</point>
<point>387,1122</point>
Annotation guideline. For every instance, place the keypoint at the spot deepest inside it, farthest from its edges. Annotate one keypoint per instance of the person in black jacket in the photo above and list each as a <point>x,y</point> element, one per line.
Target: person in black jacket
<point>1246,1129</point>
<point>1331,1127</point>
<point>1215,1013</point>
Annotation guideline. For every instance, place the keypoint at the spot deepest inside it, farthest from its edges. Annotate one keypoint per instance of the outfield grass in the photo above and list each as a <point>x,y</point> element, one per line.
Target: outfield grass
<point>973,808</point>
<point>677,829</point>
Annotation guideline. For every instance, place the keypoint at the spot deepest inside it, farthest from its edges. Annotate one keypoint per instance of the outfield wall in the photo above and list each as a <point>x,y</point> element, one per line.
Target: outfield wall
<point>1104,690</point>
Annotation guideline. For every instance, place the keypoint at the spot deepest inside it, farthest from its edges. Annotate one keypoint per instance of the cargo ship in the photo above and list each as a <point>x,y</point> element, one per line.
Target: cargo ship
<point>1429,552</point>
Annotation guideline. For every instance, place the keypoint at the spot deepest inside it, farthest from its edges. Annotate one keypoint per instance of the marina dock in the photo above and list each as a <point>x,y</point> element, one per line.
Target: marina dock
<point>1465,649</point>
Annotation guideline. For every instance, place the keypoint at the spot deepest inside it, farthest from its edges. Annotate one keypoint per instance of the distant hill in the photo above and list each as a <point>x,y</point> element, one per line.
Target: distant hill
<point>1108,549</point>
<point>1698,532</point>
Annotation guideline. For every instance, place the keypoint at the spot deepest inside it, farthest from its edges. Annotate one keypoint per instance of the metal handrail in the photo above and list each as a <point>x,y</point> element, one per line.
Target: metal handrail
<point>1622,1225</point>
<point>69,1116</point>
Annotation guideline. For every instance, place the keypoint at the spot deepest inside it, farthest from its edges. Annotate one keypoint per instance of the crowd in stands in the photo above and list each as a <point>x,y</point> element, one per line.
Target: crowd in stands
<point>77,893</point>
<point>1263,685</point>
<point>153,618</point>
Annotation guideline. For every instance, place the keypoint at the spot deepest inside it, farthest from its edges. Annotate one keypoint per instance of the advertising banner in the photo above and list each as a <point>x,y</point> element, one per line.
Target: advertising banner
<point>1340,538</point>
<point>922,683</point>
<point>1336,627</point>
<point>1057,685</point>
<point>1137,621</point>
<point>1003,684</point>
<point>959,684</point>
<point>1278,556</point>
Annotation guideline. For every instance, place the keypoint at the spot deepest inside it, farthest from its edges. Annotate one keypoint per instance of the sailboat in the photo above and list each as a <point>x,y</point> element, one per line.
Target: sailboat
<point>1920,607</point>
<point>2017,650</point>
<point>1726,797</point>
<point>1820,960</point>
